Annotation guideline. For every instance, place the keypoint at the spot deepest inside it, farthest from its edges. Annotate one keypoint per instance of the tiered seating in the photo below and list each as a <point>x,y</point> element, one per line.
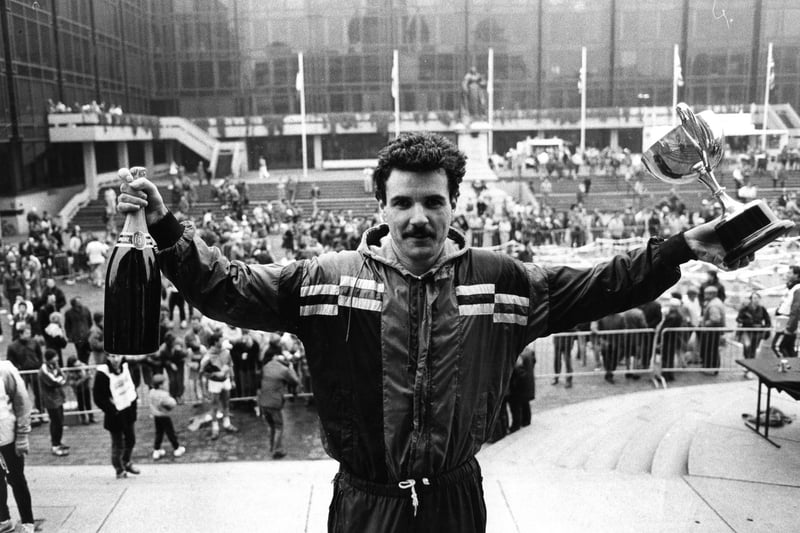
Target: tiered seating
<point>347,194</point>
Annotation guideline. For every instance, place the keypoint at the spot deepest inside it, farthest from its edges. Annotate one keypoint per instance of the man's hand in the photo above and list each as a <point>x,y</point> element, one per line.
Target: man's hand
<point>21,445</point>
<point>140,193</point>
<point>704,242</point>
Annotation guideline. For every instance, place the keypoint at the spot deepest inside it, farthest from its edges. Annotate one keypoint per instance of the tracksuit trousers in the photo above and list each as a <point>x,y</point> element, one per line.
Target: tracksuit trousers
<point>452,501</point>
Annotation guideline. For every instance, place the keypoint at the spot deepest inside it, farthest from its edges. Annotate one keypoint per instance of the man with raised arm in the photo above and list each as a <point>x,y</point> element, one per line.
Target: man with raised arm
<point>412,338</point>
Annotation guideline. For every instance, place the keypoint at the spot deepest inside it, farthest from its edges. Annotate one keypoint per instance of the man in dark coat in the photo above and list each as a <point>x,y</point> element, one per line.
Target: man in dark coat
<point>25,353</point>
<point>77,322</point>
<point>522,389</point>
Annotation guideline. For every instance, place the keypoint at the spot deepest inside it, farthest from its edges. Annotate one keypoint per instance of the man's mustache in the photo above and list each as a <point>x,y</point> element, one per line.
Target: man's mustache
<point>419,233</point>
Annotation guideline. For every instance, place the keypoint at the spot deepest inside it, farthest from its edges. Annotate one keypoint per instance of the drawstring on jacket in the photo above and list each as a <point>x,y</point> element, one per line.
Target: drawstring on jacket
<point>409,484</point>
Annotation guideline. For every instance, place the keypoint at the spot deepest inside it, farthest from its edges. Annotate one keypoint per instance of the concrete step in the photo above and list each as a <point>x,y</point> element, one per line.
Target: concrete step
<point>639,452</point>
<point>671,457</point>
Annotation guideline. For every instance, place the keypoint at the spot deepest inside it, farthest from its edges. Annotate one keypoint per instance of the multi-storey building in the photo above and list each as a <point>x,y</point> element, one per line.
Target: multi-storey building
<point>214,60</point>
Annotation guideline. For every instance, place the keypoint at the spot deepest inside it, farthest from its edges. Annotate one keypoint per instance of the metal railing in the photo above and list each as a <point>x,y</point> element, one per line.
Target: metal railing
<point>656,354</point>
<point>187,384</point>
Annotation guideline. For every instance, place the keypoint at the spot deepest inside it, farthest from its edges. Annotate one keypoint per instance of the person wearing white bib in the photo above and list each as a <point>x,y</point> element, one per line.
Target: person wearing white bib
<point>115,394</point>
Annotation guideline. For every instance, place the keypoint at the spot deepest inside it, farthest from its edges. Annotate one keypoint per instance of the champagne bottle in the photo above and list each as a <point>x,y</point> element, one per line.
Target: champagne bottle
<point>133,288</point>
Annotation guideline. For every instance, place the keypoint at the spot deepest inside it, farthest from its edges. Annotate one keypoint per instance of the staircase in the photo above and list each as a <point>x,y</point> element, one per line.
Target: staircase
<point>664,433</point>
<point>336,196</point>
<point>225,157</point>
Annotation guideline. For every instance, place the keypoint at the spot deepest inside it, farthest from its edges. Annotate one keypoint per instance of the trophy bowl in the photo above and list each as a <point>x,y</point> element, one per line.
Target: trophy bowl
<point>691,151</point>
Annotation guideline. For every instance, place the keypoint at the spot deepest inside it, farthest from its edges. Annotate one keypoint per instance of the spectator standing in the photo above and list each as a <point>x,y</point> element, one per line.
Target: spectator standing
<point>79,378</point>
<point>713,317</point>
<point>263,173</point>
<point>712,279</point>
<point>692,304</point>
<point>51,383</point>
<point>244,354</point>
<point>96,340</point>
<point>652,318</point>
<point>276,376</point>
<point>522,389</point>
<point>96,250</point>
<point>315,194</point>
<point>13,283</point>
<point>670,340</point>
<point>15,425</point>
<point>216,366</point>
<point>161,405</point>
<point>115,394</point>
<point>22,316</point>
<point>634,341</point>
<point>50,288</point>
<point>563,351</point>
<point>752,315</point>
<point>25,353</point>
<point>195,342</point>
<point>172,358</point>
<point>174,299</point>
<point>54,337</point>
<point>77,322</point>
<point>611,345</point>
<point>787,315</point>
<point>46,307</point>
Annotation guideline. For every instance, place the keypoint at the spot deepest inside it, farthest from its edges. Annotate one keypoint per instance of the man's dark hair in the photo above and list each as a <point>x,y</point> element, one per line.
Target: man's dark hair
<point>795,270</point>
<point>420,152</point>
<point>214,338</point>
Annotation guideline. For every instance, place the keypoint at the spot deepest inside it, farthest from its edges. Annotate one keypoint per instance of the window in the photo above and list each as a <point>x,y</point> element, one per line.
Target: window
<point>188,75</point>
<point>205,74</point>
<point>262,73</point>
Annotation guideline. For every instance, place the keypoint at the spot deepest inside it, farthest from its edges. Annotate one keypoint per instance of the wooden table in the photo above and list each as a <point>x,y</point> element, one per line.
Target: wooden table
<point>769,376</point>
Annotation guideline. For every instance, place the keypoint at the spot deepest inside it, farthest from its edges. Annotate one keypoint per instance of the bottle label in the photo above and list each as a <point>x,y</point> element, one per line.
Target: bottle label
<point>137,239</point>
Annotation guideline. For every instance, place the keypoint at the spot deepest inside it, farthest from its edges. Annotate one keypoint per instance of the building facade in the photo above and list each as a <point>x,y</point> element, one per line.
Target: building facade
<point>210,59</point>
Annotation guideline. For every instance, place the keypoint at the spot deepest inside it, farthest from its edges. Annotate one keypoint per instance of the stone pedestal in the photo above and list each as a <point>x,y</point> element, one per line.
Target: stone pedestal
<point>473,140</point>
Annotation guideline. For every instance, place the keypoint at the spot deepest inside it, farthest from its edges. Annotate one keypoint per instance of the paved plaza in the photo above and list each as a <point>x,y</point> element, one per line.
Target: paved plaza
<point>676,460</point>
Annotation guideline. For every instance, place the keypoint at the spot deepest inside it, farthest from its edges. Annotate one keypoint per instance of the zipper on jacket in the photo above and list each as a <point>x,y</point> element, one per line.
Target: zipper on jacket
<point>419,369</point>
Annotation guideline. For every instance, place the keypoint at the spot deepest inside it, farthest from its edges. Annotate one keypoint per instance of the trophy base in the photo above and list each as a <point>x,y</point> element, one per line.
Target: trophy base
<point>750,229</point>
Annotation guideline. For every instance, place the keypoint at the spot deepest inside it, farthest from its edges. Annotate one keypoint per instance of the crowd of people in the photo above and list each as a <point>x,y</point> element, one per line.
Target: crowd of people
<point>204,361</point>
<point>91,107</point>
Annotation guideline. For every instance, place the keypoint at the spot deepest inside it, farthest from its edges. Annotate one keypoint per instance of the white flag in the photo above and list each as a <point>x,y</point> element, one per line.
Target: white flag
<point>581,80</point>
<point>770,69</point>
<point>395,77</point>
<point>299,81</point>
<point>678,74</point>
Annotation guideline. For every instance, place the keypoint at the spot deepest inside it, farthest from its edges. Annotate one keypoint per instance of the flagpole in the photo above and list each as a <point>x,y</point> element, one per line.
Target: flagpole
<point>675,60</point>
<point>490,100</point>
<point>767,83</point>
<point>301,86</point>
<point>583,99</point>
<point>396,90</point>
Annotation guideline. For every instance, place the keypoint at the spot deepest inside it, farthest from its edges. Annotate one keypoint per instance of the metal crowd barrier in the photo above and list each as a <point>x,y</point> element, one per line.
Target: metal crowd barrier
<point>651,353</point>
<point>193,388</point>
<point>709,350</point>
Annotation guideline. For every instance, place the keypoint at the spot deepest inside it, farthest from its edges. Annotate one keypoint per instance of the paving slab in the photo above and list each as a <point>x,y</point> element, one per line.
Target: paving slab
<point>748,507</point>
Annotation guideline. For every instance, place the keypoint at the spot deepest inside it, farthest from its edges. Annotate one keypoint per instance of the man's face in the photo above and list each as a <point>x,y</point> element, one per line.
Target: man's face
<point>419,212</point>
<point>791,278</point>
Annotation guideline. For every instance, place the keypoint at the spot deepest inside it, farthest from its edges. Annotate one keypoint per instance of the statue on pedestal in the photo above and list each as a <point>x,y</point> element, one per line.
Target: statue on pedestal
<point>473,97</point>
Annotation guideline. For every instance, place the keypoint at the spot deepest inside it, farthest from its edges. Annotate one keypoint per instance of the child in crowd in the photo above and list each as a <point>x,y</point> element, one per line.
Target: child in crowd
<point>51,385</point>
<point>161,403</point>
<point>79,379</point>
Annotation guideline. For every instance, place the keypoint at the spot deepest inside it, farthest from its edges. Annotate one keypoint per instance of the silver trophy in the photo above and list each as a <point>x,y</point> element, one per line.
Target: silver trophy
<point>691,151</point>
